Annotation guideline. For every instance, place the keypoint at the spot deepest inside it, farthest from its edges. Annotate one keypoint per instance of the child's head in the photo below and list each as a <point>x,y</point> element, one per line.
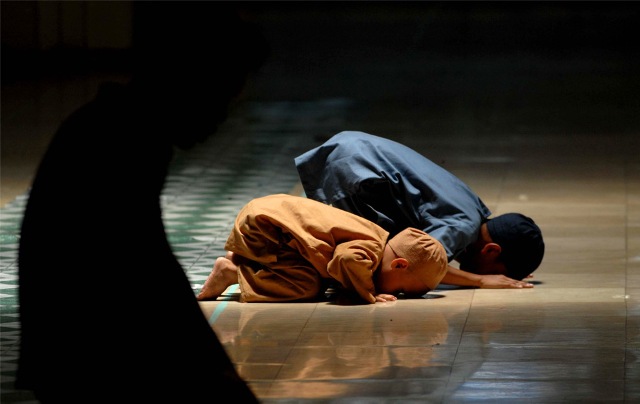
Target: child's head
<point>520,241</point>
<point>413,263</point>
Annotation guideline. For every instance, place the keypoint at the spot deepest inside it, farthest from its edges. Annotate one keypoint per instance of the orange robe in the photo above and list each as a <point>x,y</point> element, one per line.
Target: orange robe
<point>293,244</point>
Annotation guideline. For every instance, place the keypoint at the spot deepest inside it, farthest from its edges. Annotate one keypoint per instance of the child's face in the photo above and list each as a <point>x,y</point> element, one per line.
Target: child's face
<point>395,277</point>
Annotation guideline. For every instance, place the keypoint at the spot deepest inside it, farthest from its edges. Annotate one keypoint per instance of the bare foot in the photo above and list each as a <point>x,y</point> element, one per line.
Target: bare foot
<point>223,275</point>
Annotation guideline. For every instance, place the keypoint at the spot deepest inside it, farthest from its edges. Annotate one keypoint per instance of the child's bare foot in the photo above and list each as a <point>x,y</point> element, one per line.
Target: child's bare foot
<point>223,275</point>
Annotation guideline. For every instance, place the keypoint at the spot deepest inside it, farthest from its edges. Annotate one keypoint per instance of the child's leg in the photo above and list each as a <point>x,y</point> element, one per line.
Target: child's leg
<point>223,275</point>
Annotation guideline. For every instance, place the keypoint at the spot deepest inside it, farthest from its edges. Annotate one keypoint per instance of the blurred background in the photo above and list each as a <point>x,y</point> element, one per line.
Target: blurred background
<point>428,67</point>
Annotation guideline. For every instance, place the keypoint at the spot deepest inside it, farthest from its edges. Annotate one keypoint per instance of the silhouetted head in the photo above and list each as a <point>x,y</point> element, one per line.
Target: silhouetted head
<point>191,60</point>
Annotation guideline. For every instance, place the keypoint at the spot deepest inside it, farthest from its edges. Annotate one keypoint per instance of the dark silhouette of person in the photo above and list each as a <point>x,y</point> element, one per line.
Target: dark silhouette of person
<point>107,312</point>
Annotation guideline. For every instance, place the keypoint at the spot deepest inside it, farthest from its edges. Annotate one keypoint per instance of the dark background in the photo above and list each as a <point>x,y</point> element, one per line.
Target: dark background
<point>412,53</point>
<point>504,68</point>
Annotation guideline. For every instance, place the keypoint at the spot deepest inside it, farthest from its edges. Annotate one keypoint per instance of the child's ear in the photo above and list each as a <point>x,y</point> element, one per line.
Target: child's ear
<point>492,250</point>
<point>400,263</point>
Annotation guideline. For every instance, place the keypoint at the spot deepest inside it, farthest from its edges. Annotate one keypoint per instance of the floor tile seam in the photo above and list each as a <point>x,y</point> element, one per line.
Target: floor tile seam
<point>293,346</point>
<point>459,341</point>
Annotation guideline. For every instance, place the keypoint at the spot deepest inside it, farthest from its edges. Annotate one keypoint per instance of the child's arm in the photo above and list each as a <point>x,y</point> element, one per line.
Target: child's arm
<point>353,265</point>
<point>455,276</point>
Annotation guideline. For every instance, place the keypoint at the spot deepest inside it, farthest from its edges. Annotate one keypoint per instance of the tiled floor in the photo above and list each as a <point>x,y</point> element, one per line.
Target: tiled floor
<point>555,137</point>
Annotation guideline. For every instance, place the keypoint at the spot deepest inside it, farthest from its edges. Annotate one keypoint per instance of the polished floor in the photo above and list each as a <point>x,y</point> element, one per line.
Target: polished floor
<point>555,136</point>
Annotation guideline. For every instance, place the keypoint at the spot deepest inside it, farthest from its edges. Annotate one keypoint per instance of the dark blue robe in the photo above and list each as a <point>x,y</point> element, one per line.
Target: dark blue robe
<point>393,186</point>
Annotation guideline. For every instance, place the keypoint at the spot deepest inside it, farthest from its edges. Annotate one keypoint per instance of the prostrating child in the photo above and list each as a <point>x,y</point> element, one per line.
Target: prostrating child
<point>286,248</point>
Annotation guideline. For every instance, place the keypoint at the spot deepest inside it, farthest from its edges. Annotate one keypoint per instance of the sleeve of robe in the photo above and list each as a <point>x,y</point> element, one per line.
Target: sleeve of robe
<point>353,265</point>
